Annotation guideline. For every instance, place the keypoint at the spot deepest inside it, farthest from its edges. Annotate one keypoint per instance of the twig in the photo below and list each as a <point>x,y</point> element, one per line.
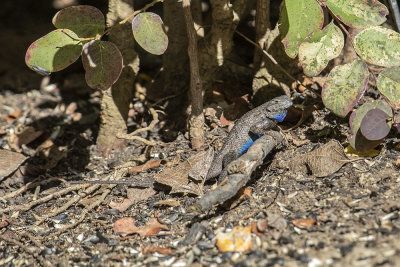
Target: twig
<point>61,209</point>
<point>29,205</point>
<point>84,213</point>
<point>140,10</point>
<point>36,182</point>
<point>271,58</point>
<point>239,172</point>
<point>37,257</point>
<point>132,136</point>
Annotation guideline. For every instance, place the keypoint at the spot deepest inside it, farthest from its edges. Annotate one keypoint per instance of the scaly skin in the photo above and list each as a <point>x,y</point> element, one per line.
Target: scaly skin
<point>255,121</point>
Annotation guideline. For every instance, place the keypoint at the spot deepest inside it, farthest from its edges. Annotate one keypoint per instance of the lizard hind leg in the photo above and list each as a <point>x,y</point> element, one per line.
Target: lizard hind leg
<point>228,158</point>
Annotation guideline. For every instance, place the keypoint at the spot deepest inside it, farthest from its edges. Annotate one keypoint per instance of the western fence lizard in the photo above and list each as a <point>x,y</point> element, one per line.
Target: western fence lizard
<point>246,130</point>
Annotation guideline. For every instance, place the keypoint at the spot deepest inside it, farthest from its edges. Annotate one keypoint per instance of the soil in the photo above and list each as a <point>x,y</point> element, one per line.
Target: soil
<point>347,218</point>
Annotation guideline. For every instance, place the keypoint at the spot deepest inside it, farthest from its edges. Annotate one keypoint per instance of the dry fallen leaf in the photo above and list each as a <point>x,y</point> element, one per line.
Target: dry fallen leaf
<point>24,135</point>
<point>241,195</point>
<point>304,223</point>
<point>168,202</point>
<point>154,163</point>
<point>13,115</point>
<point>323,161</point>
<point>134,195</point>
<point>178,177</point>
<point>10,162</point>
<point>126,226</point>
<point>150,249</point>
<point>121,205</point>
<point>200,168</point>
<point>238,240</point>
<point>138,194</point>
<point>259,227</point>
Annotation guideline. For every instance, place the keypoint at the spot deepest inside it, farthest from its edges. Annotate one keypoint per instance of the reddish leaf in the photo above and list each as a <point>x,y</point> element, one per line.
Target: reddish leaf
<point>374,124</point>
<point>103,64</point>
<point>85,21</point>
<point>126,226</point>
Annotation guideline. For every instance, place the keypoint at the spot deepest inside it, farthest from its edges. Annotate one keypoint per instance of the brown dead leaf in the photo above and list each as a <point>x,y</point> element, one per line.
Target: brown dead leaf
<point>151,249</point>
<point>242,194</point>
<point>254,229</point>
<point>238,240</point>
<point>323,161</point>
<point>134,195</point>
<point>10,162</point>
<point>168,202</point>
<point>13,115</point>
<point>121,205</point>
<point>24,135</point>
<point>138,194</point>
<point>154,163</point>
<point>224,121</point>
<point>304,223</point>
<point>52,153</point>
<point>178,177</point>
<point>126,226</point>
<point>199,170</point>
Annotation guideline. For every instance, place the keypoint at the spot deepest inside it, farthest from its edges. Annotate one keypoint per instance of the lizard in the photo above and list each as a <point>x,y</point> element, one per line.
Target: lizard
<point>246,130</point>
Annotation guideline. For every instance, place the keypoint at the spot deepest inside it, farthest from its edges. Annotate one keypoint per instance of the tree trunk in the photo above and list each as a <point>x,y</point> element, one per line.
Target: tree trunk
<point>116,100</point>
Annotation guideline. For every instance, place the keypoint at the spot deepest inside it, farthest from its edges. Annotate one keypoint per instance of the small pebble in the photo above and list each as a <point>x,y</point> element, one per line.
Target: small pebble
<point>168,262</point>
<point>196,250</point>
<point>112,242</point>
<point>179,264</point>
<point>46,251</point>
<point>80,237</point>
<point>205,245</point>
<point>92,239</point>
<point>113,212</point>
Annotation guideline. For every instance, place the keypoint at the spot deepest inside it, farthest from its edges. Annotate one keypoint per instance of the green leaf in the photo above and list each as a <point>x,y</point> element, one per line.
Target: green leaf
<point>359,13</point>
<point>102,62</point>
<point>357,140</point>
<point>379,46</point>
<point>299,19</point>
<point>345,86</point>
<point>388,84</point>
<point>148,30</point>
<point>53,52</point>
<point>85,21</point>
<point>322,46</point>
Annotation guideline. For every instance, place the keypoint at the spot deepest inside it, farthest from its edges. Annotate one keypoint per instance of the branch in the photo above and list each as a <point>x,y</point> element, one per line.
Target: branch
<point>196,122</point>
<point>240,171</point>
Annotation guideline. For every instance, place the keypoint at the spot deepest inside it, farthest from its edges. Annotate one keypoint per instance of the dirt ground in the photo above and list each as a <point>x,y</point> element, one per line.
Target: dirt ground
<point>286,216</point>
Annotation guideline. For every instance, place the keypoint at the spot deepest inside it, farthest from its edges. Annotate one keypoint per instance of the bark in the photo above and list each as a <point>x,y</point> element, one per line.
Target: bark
<point>218,42</point>
<point>115,102</point>
<point>175,63</point>
<point>263,29</point>
<point>269,81</point>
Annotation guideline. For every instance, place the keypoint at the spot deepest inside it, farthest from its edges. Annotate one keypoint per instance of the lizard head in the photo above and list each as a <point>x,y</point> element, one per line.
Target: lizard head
<point>277,108</point>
